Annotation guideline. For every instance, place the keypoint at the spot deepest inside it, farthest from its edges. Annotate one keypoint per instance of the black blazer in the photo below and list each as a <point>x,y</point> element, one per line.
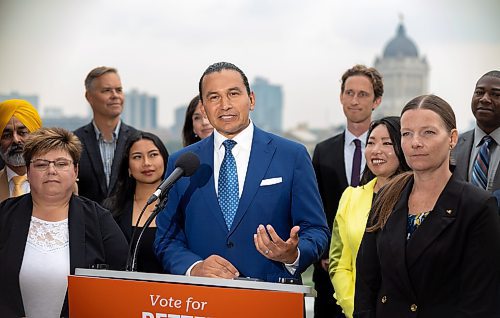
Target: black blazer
<point>450,267</point>
<point>94,238</point>
<point>329,165</point>
<point>92,180</point>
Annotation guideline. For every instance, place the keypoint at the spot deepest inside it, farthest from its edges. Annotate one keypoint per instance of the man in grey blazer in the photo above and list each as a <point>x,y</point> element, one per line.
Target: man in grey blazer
<point>486,109</point>
<point>105,137</point>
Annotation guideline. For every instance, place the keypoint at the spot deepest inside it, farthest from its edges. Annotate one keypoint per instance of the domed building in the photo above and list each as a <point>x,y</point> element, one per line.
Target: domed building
<point>405,73</point>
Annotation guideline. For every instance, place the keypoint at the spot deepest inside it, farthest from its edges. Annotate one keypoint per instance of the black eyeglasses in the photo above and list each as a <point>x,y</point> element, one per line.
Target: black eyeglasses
<point>59,164</point>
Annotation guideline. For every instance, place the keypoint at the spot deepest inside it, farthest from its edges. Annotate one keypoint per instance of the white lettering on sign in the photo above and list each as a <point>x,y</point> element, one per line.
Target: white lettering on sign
<point>160,301</point>
<point>193,304</point>
<point>146,314</point>
<point>165,302</point>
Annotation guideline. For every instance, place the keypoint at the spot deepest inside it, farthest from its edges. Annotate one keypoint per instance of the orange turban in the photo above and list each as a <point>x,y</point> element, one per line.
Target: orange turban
<point>22,110</point>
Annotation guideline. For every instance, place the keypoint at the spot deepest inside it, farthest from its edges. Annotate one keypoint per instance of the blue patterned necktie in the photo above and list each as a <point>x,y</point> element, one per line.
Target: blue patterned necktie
<point>482,163</point>
<point>228,184</point>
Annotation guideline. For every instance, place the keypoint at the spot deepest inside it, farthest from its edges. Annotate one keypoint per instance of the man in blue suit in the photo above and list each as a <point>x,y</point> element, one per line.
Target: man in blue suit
<point>272,226</point>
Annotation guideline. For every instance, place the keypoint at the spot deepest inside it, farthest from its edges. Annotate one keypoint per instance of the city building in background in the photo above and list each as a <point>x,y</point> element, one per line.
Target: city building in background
<point>179,115</point>
<point>268,112</point>
<point>53,116</point>
<point>32,99</point>
<point>405,73</point>
<point>140,110</point>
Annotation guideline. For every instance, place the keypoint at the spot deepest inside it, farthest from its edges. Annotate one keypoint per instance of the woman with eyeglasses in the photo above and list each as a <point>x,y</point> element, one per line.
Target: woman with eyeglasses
<point>46,234</point>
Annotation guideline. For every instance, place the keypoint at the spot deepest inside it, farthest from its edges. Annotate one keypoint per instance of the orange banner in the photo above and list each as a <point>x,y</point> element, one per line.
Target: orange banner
<point>105,297</point>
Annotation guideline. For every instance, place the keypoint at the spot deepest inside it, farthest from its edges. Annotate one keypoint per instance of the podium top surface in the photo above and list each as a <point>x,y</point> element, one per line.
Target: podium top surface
<point>205,281</point>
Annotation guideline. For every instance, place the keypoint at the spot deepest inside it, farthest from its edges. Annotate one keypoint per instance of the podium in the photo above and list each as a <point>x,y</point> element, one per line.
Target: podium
<point>105,293</point>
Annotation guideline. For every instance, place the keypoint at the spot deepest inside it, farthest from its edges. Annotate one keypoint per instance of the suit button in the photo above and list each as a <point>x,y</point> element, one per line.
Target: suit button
<point>384,299</point>
<point>413,307</point>
<point>230,244</point>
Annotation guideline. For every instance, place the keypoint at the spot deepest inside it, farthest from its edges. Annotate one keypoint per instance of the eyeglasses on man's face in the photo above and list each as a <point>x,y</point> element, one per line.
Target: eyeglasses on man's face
<point>59,164</point>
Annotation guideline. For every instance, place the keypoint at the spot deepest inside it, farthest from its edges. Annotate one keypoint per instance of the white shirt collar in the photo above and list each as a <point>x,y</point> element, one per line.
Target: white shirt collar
<point>10,173</point>
<point>243,139</point>
<point>349,137</point>
<point>479,134</point>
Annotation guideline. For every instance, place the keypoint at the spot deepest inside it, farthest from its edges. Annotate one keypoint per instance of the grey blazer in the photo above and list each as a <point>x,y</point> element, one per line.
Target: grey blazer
<point>461,158</point>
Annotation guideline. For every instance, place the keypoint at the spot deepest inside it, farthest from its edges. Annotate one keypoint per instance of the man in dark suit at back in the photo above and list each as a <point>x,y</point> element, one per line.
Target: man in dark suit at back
<point>339,162</point>
<point>477,154</point>
<point>105,137</point>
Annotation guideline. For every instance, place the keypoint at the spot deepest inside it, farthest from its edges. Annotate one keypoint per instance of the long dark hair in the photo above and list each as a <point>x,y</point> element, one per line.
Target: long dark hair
<point>393,125</point>
<point>125,186</point>
<point>391,193</point>
<point>188,135</point>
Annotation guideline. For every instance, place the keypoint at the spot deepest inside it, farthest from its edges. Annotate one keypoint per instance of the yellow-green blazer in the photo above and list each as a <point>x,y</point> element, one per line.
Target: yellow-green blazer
<point>347,232</point>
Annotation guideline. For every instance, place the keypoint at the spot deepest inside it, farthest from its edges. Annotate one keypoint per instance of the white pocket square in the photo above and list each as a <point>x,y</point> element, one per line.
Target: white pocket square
<point>271,181</point>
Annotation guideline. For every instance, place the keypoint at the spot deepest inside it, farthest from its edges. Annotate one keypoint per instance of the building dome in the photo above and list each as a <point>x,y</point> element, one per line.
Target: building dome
<point>400,45</point>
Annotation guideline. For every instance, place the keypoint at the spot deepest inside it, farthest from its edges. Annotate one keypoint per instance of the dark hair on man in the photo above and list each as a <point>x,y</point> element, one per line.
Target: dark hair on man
<point>393,125</point>
<point>390,194</point>
<point>47,139</point>
<point>125,188</point>
<point>98,72</point>
<point>218,67</point>
<point>493,73</point>
<point>188,135</point>
<point>371,73</point>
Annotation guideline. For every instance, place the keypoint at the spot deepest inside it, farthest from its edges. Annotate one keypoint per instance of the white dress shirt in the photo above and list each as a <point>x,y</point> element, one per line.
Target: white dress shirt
<point>241,152</point>
<point>10,174</point>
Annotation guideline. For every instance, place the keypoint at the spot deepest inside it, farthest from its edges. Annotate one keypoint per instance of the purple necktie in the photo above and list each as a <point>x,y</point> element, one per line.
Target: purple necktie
<point>356,164</point>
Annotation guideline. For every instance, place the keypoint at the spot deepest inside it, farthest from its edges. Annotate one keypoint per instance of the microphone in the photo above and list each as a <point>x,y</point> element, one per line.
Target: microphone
<point>185,166</point>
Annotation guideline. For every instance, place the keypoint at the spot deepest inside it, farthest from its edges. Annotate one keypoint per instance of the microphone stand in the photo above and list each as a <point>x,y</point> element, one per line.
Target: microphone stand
<point>132,259</point>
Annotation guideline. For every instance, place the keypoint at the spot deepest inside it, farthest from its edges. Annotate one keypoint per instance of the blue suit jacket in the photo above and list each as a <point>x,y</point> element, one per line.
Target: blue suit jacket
<point>192,227</point>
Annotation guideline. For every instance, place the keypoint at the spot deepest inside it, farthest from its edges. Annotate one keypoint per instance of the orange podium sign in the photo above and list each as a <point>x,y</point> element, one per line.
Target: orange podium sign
<point>103,293</point>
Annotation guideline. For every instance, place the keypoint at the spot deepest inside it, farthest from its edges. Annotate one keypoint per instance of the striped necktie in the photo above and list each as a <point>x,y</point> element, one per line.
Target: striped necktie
<point>482,163</point>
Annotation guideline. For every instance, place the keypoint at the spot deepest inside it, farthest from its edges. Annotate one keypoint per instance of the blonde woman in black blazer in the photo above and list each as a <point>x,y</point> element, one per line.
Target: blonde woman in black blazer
<point>48,233</point>
<point>432,247</point>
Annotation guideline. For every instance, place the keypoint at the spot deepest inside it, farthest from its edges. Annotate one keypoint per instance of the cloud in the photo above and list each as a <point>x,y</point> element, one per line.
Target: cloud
<point>163,46</point>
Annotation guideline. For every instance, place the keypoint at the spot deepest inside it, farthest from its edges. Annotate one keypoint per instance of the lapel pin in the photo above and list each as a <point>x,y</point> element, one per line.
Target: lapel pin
<point>449,211</point>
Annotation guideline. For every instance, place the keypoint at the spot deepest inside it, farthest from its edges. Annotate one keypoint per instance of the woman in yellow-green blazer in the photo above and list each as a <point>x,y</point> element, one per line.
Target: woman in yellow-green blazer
<point>384,159</point>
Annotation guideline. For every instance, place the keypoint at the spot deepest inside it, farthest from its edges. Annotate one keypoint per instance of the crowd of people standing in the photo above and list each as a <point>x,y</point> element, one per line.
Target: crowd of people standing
<point>399,215</point>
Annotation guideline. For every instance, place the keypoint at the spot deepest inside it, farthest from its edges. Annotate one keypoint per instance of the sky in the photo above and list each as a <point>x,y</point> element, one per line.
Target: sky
<point>161,47</point>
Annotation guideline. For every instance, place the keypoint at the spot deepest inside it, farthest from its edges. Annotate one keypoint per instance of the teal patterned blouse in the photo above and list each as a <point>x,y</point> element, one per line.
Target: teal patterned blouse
<point>414,221</point>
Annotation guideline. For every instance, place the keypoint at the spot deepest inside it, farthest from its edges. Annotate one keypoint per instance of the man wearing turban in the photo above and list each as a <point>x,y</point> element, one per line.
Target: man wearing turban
<point>18,118</point>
